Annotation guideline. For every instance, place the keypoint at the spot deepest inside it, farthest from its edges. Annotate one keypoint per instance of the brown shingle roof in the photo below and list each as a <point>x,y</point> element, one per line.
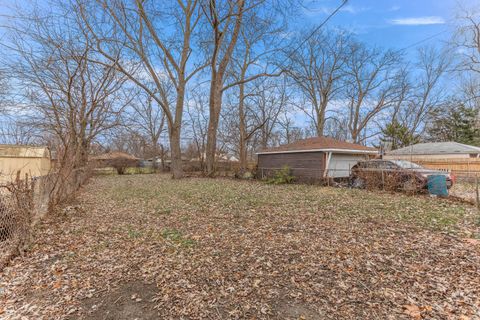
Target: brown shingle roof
<point>318,143</point>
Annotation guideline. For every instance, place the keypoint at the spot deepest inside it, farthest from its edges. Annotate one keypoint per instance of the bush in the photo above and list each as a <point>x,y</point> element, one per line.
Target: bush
<point>282,176</point>
<point>121,164</point>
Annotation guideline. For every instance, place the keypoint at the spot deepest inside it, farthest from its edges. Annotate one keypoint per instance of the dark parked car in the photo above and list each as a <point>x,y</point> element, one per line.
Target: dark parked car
<point>395,174</point>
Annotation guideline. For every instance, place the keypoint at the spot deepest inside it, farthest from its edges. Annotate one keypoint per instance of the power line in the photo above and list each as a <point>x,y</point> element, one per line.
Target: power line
<point>423,40</point>
<point>344,2</point>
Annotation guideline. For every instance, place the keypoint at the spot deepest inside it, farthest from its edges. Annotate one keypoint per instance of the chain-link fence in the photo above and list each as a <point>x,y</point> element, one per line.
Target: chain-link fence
<point>16,213</point>
<point>466,187</point>
<point>308,175</point>
<point>25,201</point>
<point>392,179</point>
<point>465,172</point>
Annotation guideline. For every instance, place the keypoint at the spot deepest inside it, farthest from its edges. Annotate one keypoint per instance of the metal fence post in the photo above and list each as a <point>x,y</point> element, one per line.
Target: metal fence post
<point>383,180</point>
<point>477,194</point>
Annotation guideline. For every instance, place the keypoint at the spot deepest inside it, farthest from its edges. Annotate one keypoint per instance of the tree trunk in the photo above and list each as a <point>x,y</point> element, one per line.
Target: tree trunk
<point>243,154</point>
<point>242,148</point>
<point>176,153</point>
<point>175,129</point>
<point>216,82</point>
<point>355,136</point>
<point>76,153</point>
<point>215,105</point>
<point>162,157</point>
<point>83,154</point>
<point>321,117</point>
<point>320,128</point>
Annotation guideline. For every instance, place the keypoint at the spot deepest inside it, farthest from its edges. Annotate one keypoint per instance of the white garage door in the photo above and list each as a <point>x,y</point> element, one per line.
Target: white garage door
<point>340,164</point>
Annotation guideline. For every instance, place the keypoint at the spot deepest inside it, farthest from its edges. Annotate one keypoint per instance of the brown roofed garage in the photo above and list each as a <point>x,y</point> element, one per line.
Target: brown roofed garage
<point>313,159</point>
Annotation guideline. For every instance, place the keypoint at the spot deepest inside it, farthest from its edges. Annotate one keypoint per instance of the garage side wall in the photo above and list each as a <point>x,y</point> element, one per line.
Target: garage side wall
<point>305,166</point>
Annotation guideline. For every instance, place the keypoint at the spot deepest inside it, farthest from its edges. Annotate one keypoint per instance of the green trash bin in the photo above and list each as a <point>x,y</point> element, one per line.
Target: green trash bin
<point>437,185</point>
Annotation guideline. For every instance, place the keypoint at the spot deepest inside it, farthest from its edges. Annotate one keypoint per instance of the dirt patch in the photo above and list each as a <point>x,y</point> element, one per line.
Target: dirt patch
<point>286,309</point>
<point>132,300</point>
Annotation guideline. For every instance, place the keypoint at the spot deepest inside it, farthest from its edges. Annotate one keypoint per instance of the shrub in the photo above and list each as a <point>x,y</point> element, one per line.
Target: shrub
<point>282,176</point>
<point>121,164</point>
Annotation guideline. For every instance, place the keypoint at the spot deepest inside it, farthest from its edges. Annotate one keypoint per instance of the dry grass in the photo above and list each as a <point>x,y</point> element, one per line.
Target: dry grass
<point>237,249</point>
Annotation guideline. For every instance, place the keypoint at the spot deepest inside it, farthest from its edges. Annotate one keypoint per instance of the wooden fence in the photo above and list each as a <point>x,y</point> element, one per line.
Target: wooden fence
<point>469,167</point>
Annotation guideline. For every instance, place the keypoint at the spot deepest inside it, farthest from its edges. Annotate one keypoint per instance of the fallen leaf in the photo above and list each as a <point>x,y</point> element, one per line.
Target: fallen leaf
<point>413,311</point>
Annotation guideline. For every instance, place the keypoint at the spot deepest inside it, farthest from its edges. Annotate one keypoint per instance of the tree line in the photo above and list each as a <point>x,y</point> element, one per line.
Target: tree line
<point>223,78</point>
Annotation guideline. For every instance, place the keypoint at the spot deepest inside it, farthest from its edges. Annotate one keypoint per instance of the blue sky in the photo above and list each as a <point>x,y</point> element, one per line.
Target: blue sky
<point>392,24</point>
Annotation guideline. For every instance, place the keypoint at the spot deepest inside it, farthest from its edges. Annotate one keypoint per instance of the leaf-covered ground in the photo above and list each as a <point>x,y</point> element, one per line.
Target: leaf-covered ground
<point>148,247</point>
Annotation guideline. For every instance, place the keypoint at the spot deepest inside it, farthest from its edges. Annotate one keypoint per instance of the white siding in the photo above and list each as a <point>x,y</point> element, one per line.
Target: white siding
<point>340,164</point>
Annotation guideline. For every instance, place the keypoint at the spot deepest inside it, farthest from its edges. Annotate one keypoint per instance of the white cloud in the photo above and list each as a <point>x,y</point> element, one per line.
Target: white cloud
<point>394,8</point>
<point>353,10</point>
<point>418,21</point>
<point>323,9</point>
<point>318,10</point>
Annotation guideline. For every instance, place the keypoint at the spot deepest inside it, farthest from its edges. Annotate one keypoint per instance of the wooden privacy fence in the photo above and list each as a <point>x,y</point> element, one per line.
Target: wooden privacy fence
<point>468,167</point>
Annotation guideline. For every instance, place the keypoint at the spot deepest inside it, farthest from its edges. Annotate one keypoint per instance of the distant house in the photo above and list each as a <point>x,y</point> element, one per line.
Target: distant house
<point>460,159</point>
<point>120,161</point>
<point>434,150</point>
<point>31,160</point>
<point>314,158</point>
<point>219,157</point>
<point>106,159</point>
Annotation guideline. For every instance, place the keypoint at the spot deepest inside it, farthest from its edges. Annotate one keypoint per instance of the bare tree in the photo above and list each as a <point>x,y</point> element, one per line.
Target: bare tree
<point>258,118</point>
<point>336,126</point>
<point>371,87</point>
<point>467,39</point>
<point>467,42</point>
<point>317,69</point>
<point>267,105</point>
<point>470,92</point>
<point>70,97</point>
<point>234,22</point>
<point>257,44</point>
<point>288,130</point>
<point>424,93</point>
<point>125,140</point>
<point>198,122</point>
<point>224,19</point>
<point>4,92</point>
<point>148,120</point>
<point>135,37</point>
<point>14,132</point>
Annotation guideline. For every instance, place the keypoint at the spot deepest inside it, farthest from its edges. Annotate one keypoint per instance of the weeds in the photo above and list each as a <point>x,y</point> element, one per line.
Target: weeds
<point>133,234</point>
<point>282,176</point>
<point>176,237</point>
<point>163,211</point>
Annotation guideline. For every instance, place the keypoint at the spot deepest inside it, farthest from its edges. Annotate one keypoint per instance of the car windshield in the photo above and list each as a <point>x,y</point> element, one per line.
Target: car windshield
<point>407,164</point>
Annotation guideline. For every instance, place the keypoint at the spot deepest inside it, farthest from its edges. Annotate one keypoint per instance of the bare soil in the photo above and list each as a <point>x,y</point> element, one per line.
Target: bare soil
<point>131,300</point>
